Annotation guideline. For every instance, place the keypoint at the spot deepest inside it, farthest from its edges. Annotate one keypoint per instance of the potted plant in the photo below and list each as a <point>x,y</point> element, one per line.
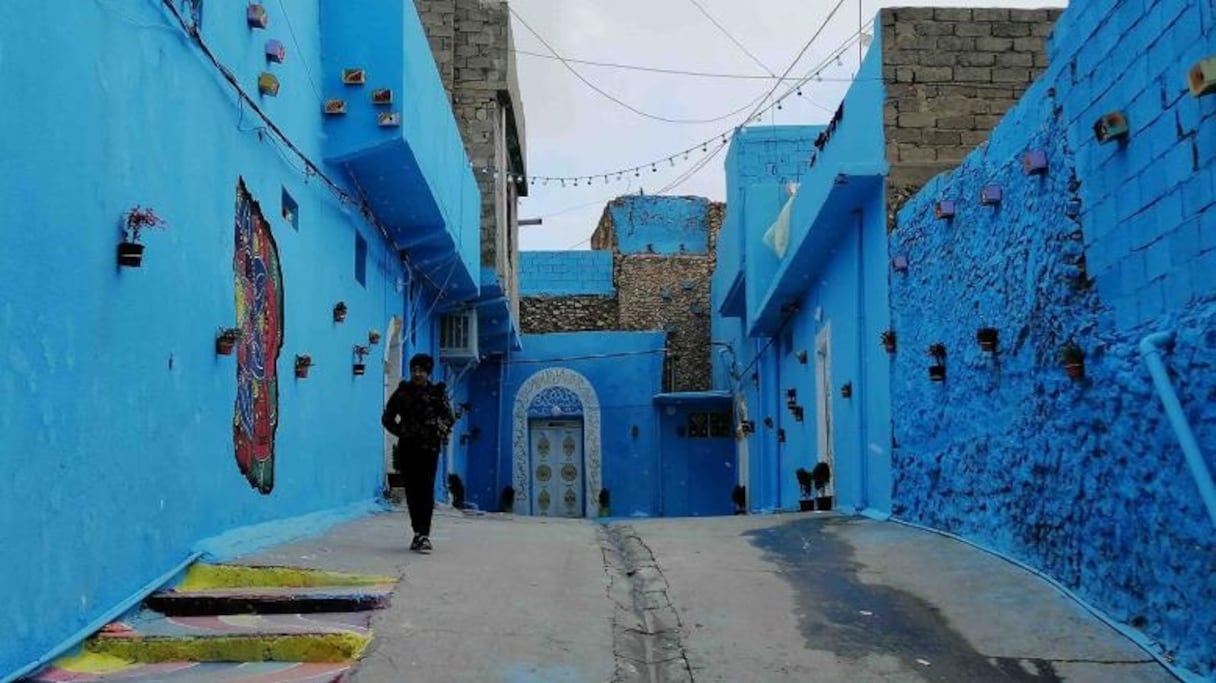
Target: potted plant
<point>937,371</point>
<point>130,251</point>
<point>360,366</point>
<point>805,483</point>
<point>605,501</point>
<point>373,337</point>
<point>456,489</point>
<point>1073,358</point>
<point>508,498</point>
<point>739,497</point>
<point>226,340</point>
<point>822,478</point>
<point>303,363</point>
<point>340,312</point>
<point>987,338</point>
<point>888,341</point>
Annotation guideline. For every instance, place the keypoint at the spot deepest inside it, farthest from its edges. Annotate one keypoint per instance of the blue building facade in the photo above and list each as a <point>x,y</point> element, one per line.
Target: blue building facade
<point>292,173</point>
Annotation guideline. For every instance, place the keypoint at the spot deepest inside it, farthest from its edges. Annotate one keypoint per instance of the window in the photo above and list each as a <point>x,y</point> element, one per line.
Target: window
<point>360,259</point>
<point>709,425</point>
<point>291,210</point>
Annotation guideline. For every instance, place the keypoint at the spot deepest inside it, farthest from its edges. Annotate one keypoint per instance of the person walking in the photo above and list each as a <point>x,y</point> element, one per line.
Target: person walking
<point>420,416</point>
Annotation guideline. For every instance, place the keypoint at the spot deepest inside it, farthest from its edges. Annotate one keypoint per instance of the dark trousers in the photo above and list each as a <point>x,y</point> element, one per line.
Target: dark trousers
<point>419,467</point>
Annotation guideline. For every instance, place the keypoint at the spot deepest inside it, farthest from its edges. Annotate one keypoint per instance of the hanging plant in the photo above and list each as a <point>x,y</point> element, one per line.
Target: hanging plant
<point>130,251</point>
<point>226,340</point>
<point>303,364</point>
<point>360,352</point>
<point>1073,358</point>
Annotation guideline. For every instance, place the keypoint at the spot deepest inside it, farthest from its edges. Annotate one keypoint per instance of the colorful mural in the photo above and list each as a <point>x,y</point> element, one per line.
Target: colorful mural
<point>259,316</point>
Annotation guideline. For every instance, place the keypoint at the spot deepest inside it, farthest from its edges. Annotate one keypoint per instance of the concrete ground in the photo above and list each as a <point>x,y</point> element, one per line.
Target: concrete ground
<point>740,599</point>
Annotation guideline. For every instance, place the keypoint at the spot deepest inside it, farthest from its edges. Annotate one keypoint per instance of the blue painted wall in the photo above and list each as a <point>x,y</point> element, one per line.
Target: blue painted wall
<point>1084,480</point>
<point>565,273</point>
<point>662,225</point>
<point>625,368</point>
<point>116,414</point>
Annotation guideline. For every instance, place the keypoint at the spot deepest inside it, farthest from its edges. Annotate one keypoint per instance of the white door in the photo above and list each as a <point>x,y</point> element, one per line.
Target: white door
<point>556,448</point>
<point>823,399</point>
<point>392,377</point>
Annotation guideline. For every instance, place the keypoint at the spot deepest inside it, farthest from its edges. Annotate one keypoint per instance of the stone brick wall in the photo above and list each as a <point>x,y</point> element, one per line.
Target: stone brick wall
<point>471,42</point>
<point>582,313</point>
<point>951,74</point>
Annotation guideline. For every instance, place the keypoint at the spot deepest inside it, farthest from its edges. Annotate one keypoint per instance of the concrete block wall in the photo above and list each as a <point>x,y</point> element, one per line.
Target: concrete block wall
<point>950,76</point>
<point>1084,480</point>
<point>564,273</point>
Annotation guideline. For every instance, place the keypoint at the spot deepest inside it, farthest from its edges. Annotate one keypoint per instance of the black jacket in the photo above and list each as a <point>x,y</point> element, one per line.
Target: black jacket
<point>419,416</point>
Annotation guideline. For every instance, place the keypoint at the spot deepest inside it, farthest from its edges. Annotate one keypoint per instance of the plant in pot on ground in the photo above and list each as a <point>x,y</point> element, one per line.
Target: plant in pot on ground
<point>130,251</point>
<point>739,497</point>
<point>456,489</point>
<point>605,501</point>
<point>822,477</point>
<point>805,483</point>
<point>226,340</point>
<point>508,498</point>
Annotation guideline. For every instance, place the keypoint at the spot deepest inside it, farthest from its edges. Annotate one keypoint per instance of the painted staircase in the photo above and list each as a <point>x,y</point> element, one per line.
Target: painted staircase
<point>236,623</point>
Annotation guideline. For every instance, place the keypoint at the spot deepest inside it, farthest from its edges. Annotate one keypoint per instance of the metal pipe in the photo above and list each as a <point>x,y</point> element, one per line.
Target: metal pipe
<point>861,394</point>
<point>1150,349</point>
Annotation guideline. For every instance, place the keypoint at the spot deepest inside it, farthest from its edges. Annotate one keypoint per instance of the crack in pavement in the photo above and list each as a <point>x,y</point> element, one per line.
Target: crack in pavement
<point>647,643</point>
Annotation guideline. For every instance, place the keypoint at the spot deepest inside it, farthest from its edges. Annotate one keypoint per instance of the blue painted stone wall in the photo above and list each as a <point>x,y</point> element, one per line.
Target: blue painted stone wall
<point>660,225</point>
<point>625,368</point>
<point>1085,479</point>
<point>115,412</point>
<point>565,273</point>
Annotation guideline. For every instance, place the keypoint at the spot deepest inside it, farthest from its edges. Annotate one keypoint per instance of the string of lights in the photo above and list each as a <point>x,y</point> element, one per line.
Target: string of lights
<point>702,149</point>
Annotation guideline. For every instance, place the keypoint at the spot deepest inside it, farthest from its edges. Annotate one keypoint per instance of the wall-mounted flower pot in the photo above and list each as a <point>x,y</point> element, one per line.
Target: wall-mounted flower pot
<point>1034,162</point>
<point>360,368</point>
<point>900,264</point>
<point>256,16</point>
<point>799,413</point>
<point>1073,208</point>
<point>1110,127</point>
<point>382,96</point>
<point>780,436</point>
<point>388,119</point>
<point>937,373</point>
<point>801,356</point>
<point>1075,370</point>
<point>354,76</point>
<point>373,337</point>
<point>889,341</point>
<point>1073,358</point>
<point>748,426</point>
<point>275,52</point>
<point>846,391</point>
<point>768,422</point>
<point>988,337</point>
<point>340,312</point>
<point>130,254</point>
<point>944,209</point>
<point>335,107</point>
<point>303,365</point>
<point>1201,78</point>
<point>268,84</point>
<point>225,341</point>
<point>991,195</point>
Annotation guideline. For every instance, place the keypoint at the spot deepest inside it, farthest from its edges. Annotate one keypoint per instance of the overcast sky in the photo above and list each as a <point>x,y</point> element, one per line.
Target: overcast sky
<point>574,131</point>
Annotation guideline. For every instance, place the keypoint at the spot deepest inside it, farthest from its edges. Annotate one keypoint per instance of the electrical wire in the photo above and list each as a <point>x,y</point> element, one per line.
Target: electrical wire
<point>727,33</point>
<point>614,98</point>
<point>291,29</point>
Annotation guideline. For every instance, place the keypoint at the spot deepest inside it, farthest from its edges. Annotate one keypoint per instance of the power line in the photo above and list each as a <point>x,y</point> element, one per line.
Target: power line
<point>612,97</point>
<point>676,72</point>
<point>732,38</point>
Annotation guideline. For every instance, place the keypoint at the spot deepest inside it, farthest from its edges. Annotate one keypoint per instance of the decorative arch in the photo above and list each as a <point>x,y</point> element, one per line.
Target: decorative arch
<point>574,385</point>
<point>567,403</point>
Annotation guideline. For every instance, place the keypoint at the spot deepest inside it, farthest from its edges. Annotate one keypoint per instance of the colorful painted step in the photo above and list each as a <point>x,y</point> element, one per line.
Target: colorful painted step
<point>236,589</point>
<point>93,668</point>
<point>151,638</point>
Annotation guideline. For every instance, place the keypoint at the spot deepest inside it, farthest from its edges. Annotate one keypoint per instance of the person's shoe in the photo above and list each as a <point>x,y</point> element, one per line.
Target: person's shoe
<point>424,544</point>
<point>416,544</point>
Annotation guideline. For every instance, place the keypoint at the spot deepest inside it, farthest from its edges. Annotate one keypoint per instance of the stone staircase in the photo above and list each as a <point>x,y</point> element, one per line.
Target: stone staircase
<point>236,623</point>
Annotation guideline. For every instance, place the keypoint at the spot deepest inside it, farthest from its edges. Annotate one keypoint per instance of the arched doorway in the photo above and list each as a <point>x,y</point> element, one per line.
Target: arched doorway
<point>556,422</point>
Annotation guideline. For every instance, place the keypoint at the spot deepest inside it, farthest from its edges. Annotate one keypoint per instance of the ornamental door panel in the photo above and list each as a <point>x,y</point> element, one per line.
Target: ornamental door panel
<point>556,450</point>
